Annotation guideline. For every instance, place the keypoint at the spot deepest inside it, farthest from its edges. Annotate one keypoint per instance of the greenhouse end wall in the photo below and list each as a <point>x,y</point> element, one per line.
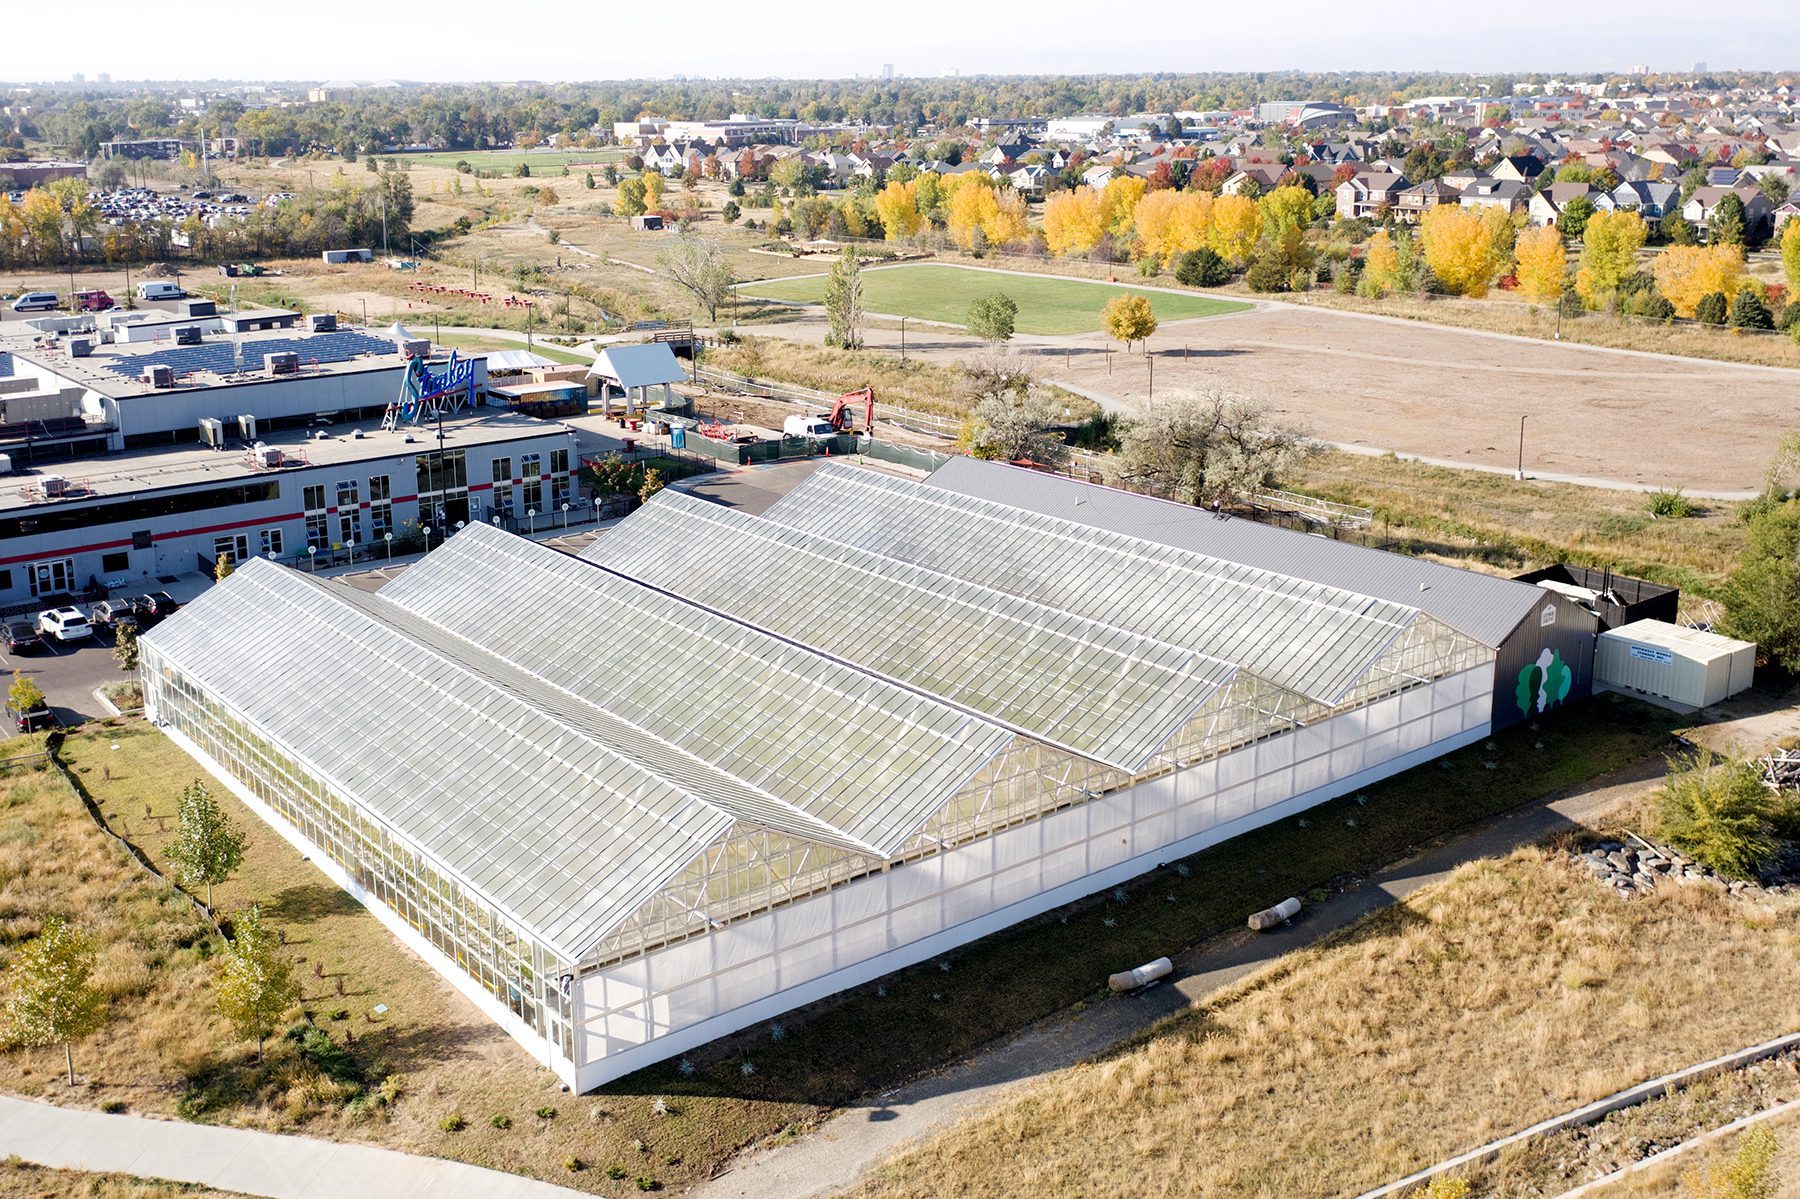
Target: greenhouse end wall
<point>640,1011</point>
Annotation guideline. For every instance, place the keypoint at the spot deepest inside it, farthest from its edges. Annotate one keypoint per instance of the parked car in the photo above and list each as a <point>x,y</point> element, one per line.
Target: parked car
<point>113,614</point>
<point>93,300</point>
<point>31,720</point>
<point>35,301</point>
<point>22,638</point>
<point>159,289</point>
<point>158,605</point>
<point>64,624</point>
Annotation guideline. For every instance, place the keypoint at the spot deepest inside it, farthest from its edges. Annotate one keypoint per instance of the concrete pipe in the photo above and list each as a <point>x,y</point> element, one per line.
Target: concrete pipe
<point>1143,976</point>
<point>1276,916</point>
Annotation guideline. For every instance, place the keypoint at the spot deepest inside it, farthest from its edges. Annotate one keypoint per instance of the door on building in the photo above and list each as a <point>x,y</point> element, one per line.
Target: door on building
<point>53,577</point>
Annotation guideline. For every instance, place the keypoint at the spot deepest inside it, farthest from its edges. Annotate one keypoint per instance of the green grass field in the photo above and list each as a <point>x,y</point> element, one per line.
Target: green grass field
<point>551,161</point>
<point>937,292</point>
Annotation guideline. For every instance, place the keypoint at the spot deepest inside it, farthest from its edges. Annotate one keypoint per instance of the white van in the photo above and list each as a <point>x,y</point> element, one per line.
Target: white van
<point>812,427</point>
<point>159,289</point>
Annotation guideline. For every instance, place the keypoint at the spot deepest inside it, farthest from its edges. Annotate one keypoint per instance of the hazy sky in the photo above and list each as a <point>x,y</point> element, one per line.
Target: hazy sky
<point>556,40</point>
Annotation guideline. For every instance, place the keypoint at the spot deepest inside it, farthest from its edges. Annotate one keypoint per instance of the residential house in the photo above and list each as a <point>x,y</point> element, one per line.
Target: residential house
<point>1510,195</point>
<point>1414,202</point>
<point>1759,213</point>
<point>1650,199</point>
<point>1257,179</point>
<point>1521,168</point>
<point>1370,195</point>
<point>1547,206</point>
<point>1030,179</point>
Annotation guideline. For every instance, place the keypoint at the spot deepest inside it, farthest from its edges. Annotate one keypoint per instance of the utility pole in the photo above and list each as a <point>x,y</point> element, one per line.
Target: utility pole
<point>1521,475</point>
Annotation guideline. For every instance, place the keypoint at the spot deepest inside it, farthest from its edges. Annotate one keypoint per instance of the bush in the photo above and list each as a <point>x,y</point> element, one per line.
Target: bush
<point>501,1122</point>
<point>616,1172</point>
<point>1669,504</point>
<point>1268,272</point>
<point>546,1113</point>
<point>1719,811</point>
<point>1712,309</point>
<point>1149,266</point>
<point>648,1184</point>
<point>453,1123</point>
<point>1651,306</point>
<point>1202,268</point>
<point>1749,312</point>
<point>573,1164</point>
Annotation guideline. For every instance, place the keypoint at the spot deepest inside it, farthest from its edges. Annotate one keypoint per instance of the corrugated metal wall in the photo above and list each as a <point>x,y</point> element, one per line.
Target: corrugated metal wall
<point>1547,662</point>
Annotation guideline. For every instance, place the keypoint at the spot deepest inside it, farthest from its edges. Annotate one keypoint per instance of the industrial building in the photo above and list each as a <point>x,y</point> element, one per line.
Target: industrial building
<point>731,764</point>
<point>145,447</point>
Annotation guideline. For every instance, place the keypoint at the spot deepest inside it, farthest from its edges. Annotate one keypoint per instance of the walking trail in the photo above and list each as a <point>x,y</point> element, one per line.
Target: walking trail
<point>239,1159</point>
<point>837,1155</point>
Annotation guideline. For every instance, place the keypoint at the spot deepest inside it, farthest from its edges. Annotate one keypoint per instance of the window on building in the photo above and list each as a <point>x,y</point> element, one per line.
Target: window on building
<point>271,543</point>
<point>503,470</point>
<point>534,494</point>
<point>559,462</point>
<point>236,547</point>
<point>531,466</point>
<point>443,490</point>
<point>350,526</point>
<point>56,575</point>
<point>348,494</point>
<point>315,497</point>
<point>5,580</point>
<point>564,490</point>
<point>380,488</point>
<point>503,498</point>
<point>318,530</point>
<point>114,563</point>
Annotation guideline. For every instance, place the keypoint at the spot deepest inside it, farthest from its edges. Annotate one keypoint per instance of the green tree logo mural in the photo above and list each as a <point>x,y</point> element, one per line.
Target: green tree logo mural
<point>1544,683</point>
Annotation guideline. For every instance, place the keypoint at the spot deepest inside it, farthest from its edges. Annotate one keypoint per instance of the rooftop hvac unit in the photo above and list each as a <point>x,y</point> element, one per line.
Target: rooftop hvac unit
<point>416,347</point>
<point>268,456</point>
<point>187,335</point>
<point>321,322</point>
<point>212,432</point>
<point>285,362</point>
<point>81,347</point>
<point>55,486</point>
<point>6,467</point>
<point>160,375</point>
<point>247,427</point>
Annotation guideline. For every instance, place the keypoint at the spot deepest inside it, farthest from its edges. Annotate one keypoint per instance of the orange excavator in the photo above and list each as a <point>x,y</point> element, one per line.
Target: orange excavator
<point>840,418</point>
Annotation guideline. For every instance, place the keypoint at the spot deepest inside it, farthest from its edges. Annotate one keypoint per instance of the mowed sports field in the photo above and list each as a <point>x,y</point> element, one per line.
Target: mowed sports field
<point>936,292</point>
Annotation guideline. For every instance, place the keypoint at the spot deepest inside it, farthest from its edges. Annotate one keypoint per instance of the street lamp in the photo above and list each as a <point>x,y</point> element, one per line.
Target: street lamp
<point>312,560</point>
<point>1521,475</point>
<point>903,339</point>
<point>565,515</point>
<point>530,521</point>
<point>389,538</point>
<point>353,551</point>
<point>426,529</point>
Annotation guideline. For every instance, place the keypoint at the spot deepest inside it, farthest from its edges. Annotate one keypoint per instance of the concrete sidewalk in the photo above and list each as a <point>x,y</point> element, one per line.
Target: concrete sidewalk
<point>835,1156</point>
<point>238,1159</point>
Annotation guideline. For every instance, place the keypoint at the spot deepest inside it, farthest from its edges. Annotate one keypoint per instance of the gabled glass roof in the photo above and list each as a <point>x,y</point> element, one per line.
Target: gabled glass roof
<point>845,749</point>
<point>1092,688</point>
<point>1306,637</point>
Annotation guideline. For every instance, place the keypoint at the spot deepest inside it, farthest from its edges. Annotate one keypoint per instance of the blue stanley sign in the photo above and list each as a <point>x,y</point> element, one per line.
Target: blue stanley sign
<point>425,393</point>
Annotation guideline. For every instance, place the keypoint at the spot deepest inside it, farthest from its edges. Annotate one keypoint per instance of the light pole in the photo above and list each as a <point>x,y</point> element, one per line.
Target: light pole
<point>1521,475</point>
<point>426,529</point>
<point>903,339</point>
<point>353,551</point>
<point>530,521</point>
<point>365,305</point>
<point>565,516</point>
<point>312,558</point>
<point>389,539</point>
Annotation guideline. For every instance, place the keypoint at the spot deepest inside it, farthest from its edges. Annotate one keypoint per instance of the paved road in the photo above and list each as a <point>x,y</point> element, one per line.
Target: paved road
<point>835,1156</point>
<point>238,1159</point>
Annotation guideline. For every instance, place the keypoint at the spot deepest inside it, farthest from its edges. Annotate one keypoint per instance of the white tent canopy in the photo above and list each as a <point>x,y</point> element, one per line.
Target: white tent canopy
<point>632,371</point>
<point>515,360</point>
<point>400,332</point>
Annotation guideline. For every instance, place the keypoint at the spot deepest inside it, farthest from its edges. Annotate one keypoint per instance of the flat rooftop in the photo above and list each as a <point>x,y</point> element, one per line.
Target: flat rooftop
<point>137,471</point>
<point>220,360</point>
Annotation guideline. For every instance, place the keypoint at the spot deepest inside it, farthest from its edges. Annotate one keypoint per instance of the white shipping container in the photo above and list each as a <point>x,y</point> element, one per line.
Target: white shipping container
<point>1688,667</point>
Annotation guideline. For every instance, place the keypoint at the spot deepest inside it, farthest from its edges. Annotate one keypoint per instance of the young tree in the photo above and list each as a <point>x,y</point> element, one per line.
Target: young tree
<point>1129,318</point>
<point>1209,446</point>
<point>49,996</point>
<point>125,646</point>
<point>1202,268</point>
<point>223,567</point>
<point>1687,274</point>
<point>256,980</point>
<point>1072,222</point>
<point>24,695</point>
<point>1288,207</point>
<point>897,208</point>
<point>654,184</point>
<point>1236,227</point>
<point>1573,219</point>
<point>700,268</point>
<point>1790,254</point>
<point>991,317</point>
<point>1749,312</point>
<point>629,201</point>
<point>1382,267</point>
<point>1118,202</point>
<point>1712,308</point>
<point>1750,1174</point>
<point>208,846</point>
<point>1609,249</point>
<point>1729,224</point>
<point>1543,264</point>
<point>1719,811</point>
<point>844,301</point>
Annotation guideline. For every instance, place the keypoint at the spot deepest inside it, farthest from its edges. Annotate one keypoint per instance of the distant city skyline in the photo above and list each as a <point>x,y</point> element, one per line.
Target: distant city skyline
<point>553,40</point>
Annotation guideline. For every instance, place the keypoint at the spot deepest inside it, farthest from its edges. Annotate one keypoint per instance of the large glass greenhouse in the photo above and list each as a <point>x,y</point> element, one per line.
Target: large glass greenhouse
<point>723,765</point>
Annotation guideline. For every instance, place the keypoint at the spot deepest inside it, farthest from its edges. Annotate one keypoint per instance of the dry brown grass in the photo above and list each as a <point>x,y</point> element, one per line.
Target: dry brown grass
<point>1514,990</point>
<point>165,1051</point>
<point>1665,1181</point>
<point>21,1180</point>
<point>1483,519</point>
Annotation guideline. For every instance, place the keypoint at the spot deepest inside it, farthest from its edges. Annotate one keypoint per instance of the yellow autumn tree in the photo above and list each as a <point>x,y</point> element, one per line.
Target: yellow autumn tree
<point>1072,221</point>
<point>1609,247</point>
<point>972,209</point>
<point>1381,264</point>
<point>1006,224</point>
<point>1686,274</point>
<point>1236,226</point>
<point>897,206</point>
<point>1543,264</point>
<point>1118,201</point>
<point>1459,248</point>
<point>654,184</point>
<point>1170,222</point>
<point>1285,208</point>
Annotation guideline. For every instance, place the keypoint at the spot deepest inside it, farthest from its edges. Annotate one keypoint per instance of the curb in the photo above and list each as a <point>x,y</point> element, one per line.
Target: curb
<point>1667,1155</point>
<point>1591,1113</point>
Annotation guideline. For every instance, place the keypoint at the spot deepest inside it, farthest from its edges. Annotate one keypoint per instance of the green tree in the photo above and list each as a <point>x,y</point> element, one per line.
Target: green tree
<point>208,846</point>
<point>1749,312</point>
<point>700,268</point>
<point>1202,268</point>
<point>24,695</point>
<point>50,997</point>
<point>653,483</point>
<point>1129,318</point>
<point>1209,446</point>
<point>991,317</point>
<point>256,980</point>
<point>1729,225</point>
<point>1720,811</point>
<point>629,201</point>
<point>1677,230</point>
<point>1790,254</point>
<point>125,646</point>
<point>844,301</point>
<point>1762,596</point>
<point>1573,219</point>
<point>587,181</point>
<point>1712,308</point>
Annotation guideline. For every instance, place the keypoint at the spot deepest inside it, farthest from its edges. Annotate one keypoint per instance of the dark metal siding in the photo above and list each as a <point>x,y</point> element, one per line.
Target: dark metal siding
<point>1568,637</point>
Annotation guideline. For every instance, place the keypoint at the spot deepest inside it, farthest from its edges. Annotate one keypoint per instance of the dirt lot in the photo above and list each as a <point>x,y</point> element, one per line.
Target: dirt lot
<point>1447,394</point>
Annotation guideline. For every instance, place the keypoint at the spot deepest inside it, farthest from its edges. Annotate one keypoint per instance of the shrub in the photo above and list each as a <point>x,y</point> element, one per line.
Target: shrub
<point>616,1172</point>
<point>453,1123</point>
<point>338,1013</point>
<point>1149,266</point>
<point>1749,312</point>
<point>1712,309</point>
<point>1202,268</point>
<point>113,1107</point>
<point>1669,504</point>
<point>1652,306</point>
<point>573,1164</point>
<point>648,1184</point>
<point>1268,272</point>
<point>1719,811</point>
<point>501,1122</point>
<point>1749,1174</point>
<point>546,1113</point>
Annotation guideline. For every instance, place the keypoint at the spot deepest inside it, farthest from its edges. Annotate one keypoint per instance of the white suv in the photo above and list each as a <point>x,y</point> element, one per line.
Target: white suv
<point>64,624</point>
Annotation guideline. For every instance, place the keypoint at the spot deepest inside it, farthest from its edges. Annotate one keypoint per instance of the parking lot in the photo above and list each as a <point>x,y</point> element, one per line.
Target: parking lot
<point>69,674</point>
